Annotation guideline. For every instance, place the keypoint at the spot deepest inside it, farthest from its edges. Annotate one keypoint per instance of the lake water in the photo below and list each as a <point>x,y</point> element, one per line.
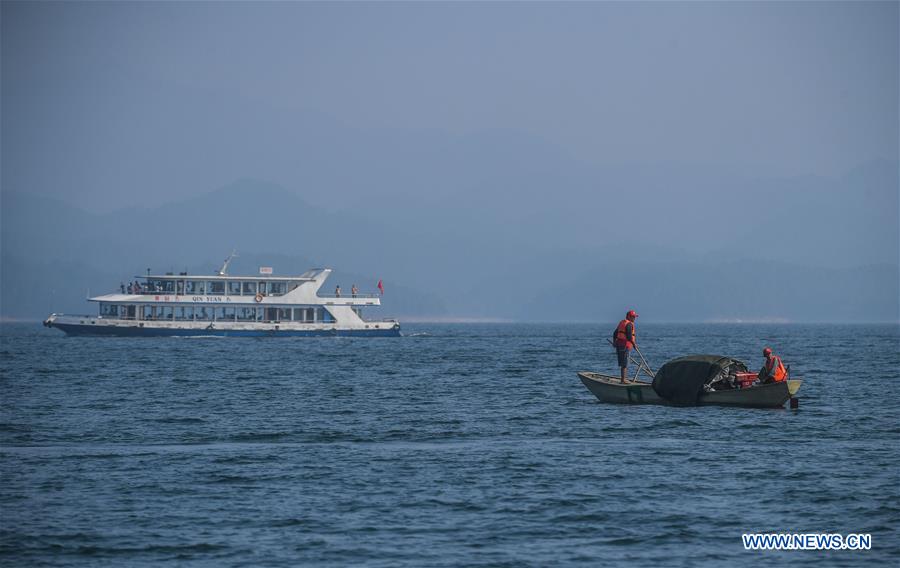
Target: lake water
<point>454,445</point>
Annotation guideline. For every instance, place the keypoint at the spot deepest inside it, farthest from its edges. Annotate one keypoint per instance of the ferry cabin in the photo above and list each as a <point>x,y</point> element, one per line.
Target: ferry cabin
<point>149,312</point>
<point>219,298</point>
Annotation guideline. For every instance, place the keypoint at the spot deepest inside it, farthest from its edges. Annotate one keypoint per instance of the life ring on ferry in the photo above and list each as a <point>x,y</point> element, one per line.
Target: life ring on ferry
<point>259,297</point>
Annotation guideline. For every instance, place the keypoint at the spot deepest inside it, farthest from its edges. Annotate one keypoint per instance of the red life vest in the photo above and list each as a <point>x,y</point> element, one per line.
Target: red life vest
<point>780,373</point>
<point>620,338</point>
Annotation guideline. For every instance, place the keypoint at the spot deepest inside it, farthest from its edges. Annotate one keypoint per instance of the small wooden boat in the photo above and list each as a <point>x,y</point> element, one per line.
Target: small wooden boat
<point>611,389</point>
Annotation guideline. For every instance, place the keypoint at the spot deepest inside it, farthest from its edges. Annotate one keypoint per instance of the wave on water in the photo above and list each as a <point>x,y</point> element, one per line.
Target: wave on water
<point>178,420</point>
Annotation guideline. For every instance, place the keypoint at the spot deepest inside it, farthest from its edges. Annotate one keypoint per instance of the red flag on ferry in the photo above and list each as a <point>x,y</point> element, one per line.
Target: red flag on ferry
<point>381,287</point>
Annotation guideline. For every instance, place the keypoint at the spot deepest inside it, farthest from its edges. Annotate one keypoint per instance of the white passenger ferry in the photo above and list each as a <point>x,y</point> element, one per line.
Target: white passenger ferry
<point>229,306</point>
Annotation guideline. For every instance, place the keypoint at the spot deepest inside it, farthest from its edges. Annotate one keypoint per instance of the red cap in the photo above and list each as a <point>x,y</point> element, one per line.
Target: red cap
<point>767,352</point>
<point>631,315</point>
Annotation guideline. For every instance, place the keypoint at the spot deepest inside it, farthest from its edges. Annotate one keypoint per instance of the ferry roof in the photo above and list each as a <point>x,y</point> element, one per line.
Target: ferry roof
<point>307,276</point>
<point>226,277</point>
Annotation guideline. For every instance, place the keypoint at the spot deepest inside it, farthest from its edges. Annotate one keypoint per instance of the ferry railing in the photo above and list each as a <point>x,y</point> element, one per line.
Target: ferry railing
<point>349,296</point>
<point>231,320</point>
<point>146,291</point>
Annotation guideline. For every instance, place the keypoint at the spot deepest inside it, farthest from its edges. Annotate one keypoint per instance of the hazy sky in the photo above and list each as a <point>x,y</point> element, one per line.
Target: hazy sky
<point>104,104</point>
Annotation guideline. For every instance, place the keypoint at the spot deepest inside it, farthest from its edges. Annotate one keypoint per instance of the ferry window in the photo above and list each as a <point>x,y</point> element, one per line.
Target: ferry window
<point>246,314</point>
<point>284,314</point>
<point>169,286</point>
<point>203,313</point>
<point>195,287</point>
<point>184,313</point>
<point>299,314</point>
<point>146,312</point>
<point>271,314</point>
<point>215,287</point>
<point>234,288</point>
<point>131,312</point>
<point>179,287</point>
<point>262,288</point>
<point>108,310</point>
<point>277,288</point>
<point>165,312</point>
<point>249,288</point>
<point>326,316</point>
<point>224,314</point>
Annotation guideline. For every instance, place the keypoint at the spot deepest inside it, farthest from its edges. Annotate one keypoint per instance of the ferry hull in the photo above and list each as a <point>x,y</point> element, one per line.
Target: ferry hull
<point>119,330</point>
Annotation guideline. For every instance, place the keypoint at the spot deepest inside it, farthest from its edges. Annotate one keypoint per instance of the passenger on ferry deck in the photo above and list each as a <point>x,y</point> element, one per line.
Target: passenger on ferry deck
<point>337,291</point>
<point>354,290</point>
<point>122,287</point>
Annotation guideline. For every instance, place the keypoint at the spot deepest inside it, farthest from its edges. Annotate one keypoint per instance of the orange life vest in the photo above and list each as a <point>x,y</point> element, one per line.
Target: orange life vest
<point>620,338</point>
<point>775,363</point>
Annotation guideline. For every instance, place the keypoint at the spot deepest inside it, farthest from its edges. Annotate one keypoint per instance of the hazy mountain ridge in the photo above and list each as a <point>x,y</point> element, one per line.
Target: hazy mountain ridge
<point>52,253</point>
<point>724,290</point>
<point>547,259</point>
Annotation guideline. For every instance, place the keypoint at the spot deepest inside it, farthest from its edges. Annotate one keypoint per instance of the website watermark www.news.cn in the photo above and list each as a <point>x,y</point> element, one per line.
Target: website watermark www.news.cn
<point>806,541</point>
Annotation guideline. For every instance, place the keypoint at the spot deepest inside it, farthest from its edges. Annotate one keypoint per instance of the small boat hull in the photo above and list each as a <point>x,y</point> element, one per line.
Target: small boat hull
<point>608,388</point>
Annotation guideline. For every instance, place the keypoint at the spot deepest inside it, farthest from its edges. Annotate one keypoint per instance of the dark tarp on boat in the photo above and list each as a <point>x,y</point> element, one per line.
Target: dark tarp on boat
<point>682,380</point>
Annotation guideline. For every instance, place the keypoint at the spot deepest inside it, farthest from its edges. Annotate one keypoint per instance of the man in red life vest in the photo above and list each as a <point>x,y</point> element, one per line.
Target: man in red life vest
<point>773,371</point>
<point>624,339</point>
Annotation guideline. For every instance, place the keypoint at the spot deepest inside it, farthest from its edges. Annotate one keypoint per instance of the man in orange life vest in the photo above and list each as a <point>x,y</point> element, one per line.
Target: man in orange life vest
<point>624,338</point>
<point>773,371</point>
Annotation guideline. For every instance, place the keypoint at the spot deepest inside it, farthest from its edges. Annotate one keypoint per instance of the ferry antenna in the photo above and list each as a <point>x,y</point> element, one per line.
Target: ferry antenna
<point>225,264</point>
